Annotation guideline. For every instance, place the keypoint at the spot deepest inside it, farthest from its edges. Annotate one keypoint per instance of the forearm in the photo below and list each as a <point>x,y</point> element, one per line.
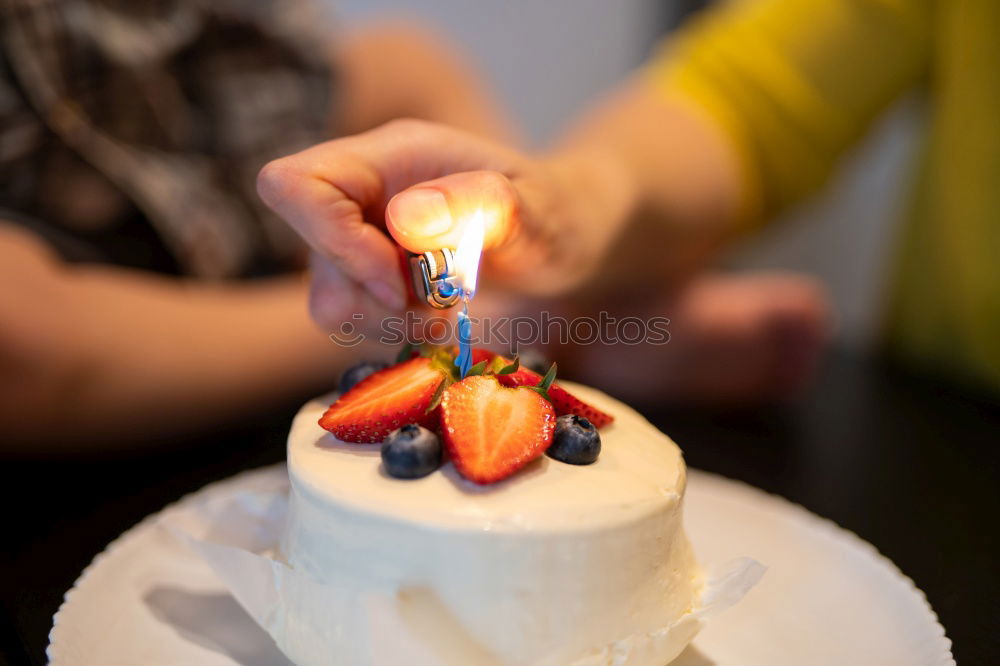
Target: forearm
<point>679,163</point>
<point>205,354</point>
<point>105,354</point>
<point>664,178</point>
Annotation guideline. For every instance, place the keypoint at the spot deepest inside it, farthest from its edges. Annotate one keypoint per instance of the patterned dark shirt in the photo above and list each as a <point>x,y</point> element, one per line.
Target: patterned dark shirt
<point>131,131</point>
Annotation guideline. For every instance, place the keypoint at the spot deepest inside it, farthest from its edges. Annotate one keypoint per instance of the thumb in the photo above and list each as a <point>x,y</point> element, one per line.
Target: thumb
<point>433,214</point>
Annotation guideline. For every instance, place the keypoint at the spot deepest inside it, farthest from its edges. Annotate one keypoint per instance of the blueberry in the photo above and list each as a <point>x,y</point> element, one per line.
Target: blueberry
<point>356,373</point>
<point>411,452</point>
<point>576,441</point>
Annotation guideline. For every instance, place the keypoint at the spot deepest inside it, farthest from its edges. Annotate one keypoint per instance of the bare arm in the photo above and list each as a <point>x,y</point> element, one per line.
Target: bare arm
<point>92,353</point>
<point>677,173</point>
<point>680,164</point>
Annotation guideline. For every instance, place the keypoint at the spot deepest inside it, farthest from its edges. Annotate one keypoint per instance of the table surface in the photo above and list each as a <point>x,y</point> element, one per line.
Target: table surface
<point>908,464</point>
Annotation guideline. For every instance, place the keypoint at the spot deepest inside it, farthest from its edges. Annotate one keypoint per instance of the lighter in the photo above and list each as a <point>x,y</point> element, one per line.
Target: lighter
<point>434,279</point>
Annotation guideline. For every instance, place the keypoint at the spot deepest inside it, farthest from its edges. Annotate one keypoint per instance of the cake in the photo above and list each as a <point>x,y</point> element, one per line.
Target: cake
<point>555,565</point>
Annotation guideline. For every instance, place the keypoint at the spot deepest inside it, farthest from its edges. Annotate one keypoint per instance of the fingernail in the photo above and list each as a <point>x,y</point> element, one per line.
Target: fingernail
<point>426,211</point>
<point>385,294</point>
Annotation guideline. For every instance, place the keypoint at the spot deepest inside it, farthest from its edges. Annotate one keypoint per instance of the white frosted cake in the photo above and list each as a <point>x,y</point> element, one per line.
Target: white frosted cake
<point>557,565</point>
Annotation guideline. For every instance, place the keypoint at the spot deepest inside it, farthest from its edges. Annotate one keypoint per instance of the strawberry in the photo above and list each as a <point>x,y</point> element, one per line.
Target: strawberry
<point>384,401</point>
<point>563,401</point>
<point>491,431</point>
<point>479,354</point>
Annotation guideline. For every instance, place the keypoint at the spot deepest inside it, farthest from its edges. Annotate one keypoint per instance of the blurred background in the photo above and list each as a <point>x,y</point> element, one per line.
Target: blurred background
<point>587,46</point>
<point>901,459</point>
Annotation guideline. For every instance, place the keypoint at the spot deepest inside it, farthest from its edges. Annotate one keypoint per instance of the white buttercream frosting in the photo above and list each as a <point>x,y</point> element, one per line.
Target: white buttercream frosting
<point>558,565</point>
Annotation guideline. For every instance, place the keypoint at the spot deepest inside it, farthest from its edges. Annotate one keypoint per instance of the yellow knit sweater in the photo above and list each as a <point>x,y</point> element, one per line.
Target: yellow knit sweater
<point>794,83</point>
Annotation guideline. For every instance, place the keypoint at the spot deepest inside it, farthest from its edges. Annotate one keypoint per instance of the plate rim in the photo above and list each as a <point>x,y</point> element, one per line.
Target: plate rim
<point>266,473</point>
<point>831,527</point>
<point>136,530</point>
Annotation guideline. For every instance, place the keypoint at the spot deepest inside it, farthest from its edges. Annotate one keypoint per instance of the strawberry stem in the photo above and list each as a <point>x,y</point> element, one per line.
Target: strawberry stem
<point>438,394</point>
<point>542,388</point>
<point>405,353</point>
<point>509,369</point>
<point>477,369</point>
<point>549,377</point>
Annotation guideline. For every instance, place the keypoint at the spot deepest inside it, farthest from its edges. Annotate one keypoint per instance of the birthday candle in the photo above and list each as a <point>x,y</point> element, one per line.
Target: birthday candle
<point>464,359</point>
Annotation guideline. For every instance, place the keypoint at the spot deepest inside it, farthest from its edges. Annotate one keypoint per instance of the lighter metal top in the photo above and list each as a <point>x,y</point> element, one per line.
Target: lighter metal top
<point>434,278</point>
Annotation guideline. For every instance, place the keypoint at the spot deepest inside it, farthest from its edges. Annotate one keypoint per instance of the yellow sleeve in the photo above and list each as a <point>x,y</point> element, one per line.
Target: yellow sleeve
<point>793,83</point>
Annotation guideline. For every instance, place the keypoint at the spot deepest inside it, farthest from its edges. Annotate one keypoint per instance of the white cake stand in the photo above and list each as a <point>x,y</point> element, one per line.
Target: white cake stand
<point>828,597</point>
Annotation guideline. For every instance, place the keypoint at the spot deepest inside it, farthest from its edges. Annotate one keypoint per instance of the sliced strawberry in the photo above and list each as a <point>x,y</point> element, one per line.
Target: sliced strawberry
<point>567,403</point>
<point>563,401</point>
<point>385,401</point>
<point>491,431</point>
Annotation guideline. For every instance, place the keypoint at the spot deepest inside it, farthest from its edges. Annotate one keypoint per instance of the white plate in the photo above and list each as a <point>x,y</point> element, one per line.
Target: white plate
<point>828,597</point>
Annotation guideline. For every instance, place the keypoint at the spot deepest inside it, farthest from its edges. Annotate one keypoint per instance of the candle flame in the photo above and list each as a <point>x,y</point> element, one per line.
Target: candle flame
<point>469,251</point>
